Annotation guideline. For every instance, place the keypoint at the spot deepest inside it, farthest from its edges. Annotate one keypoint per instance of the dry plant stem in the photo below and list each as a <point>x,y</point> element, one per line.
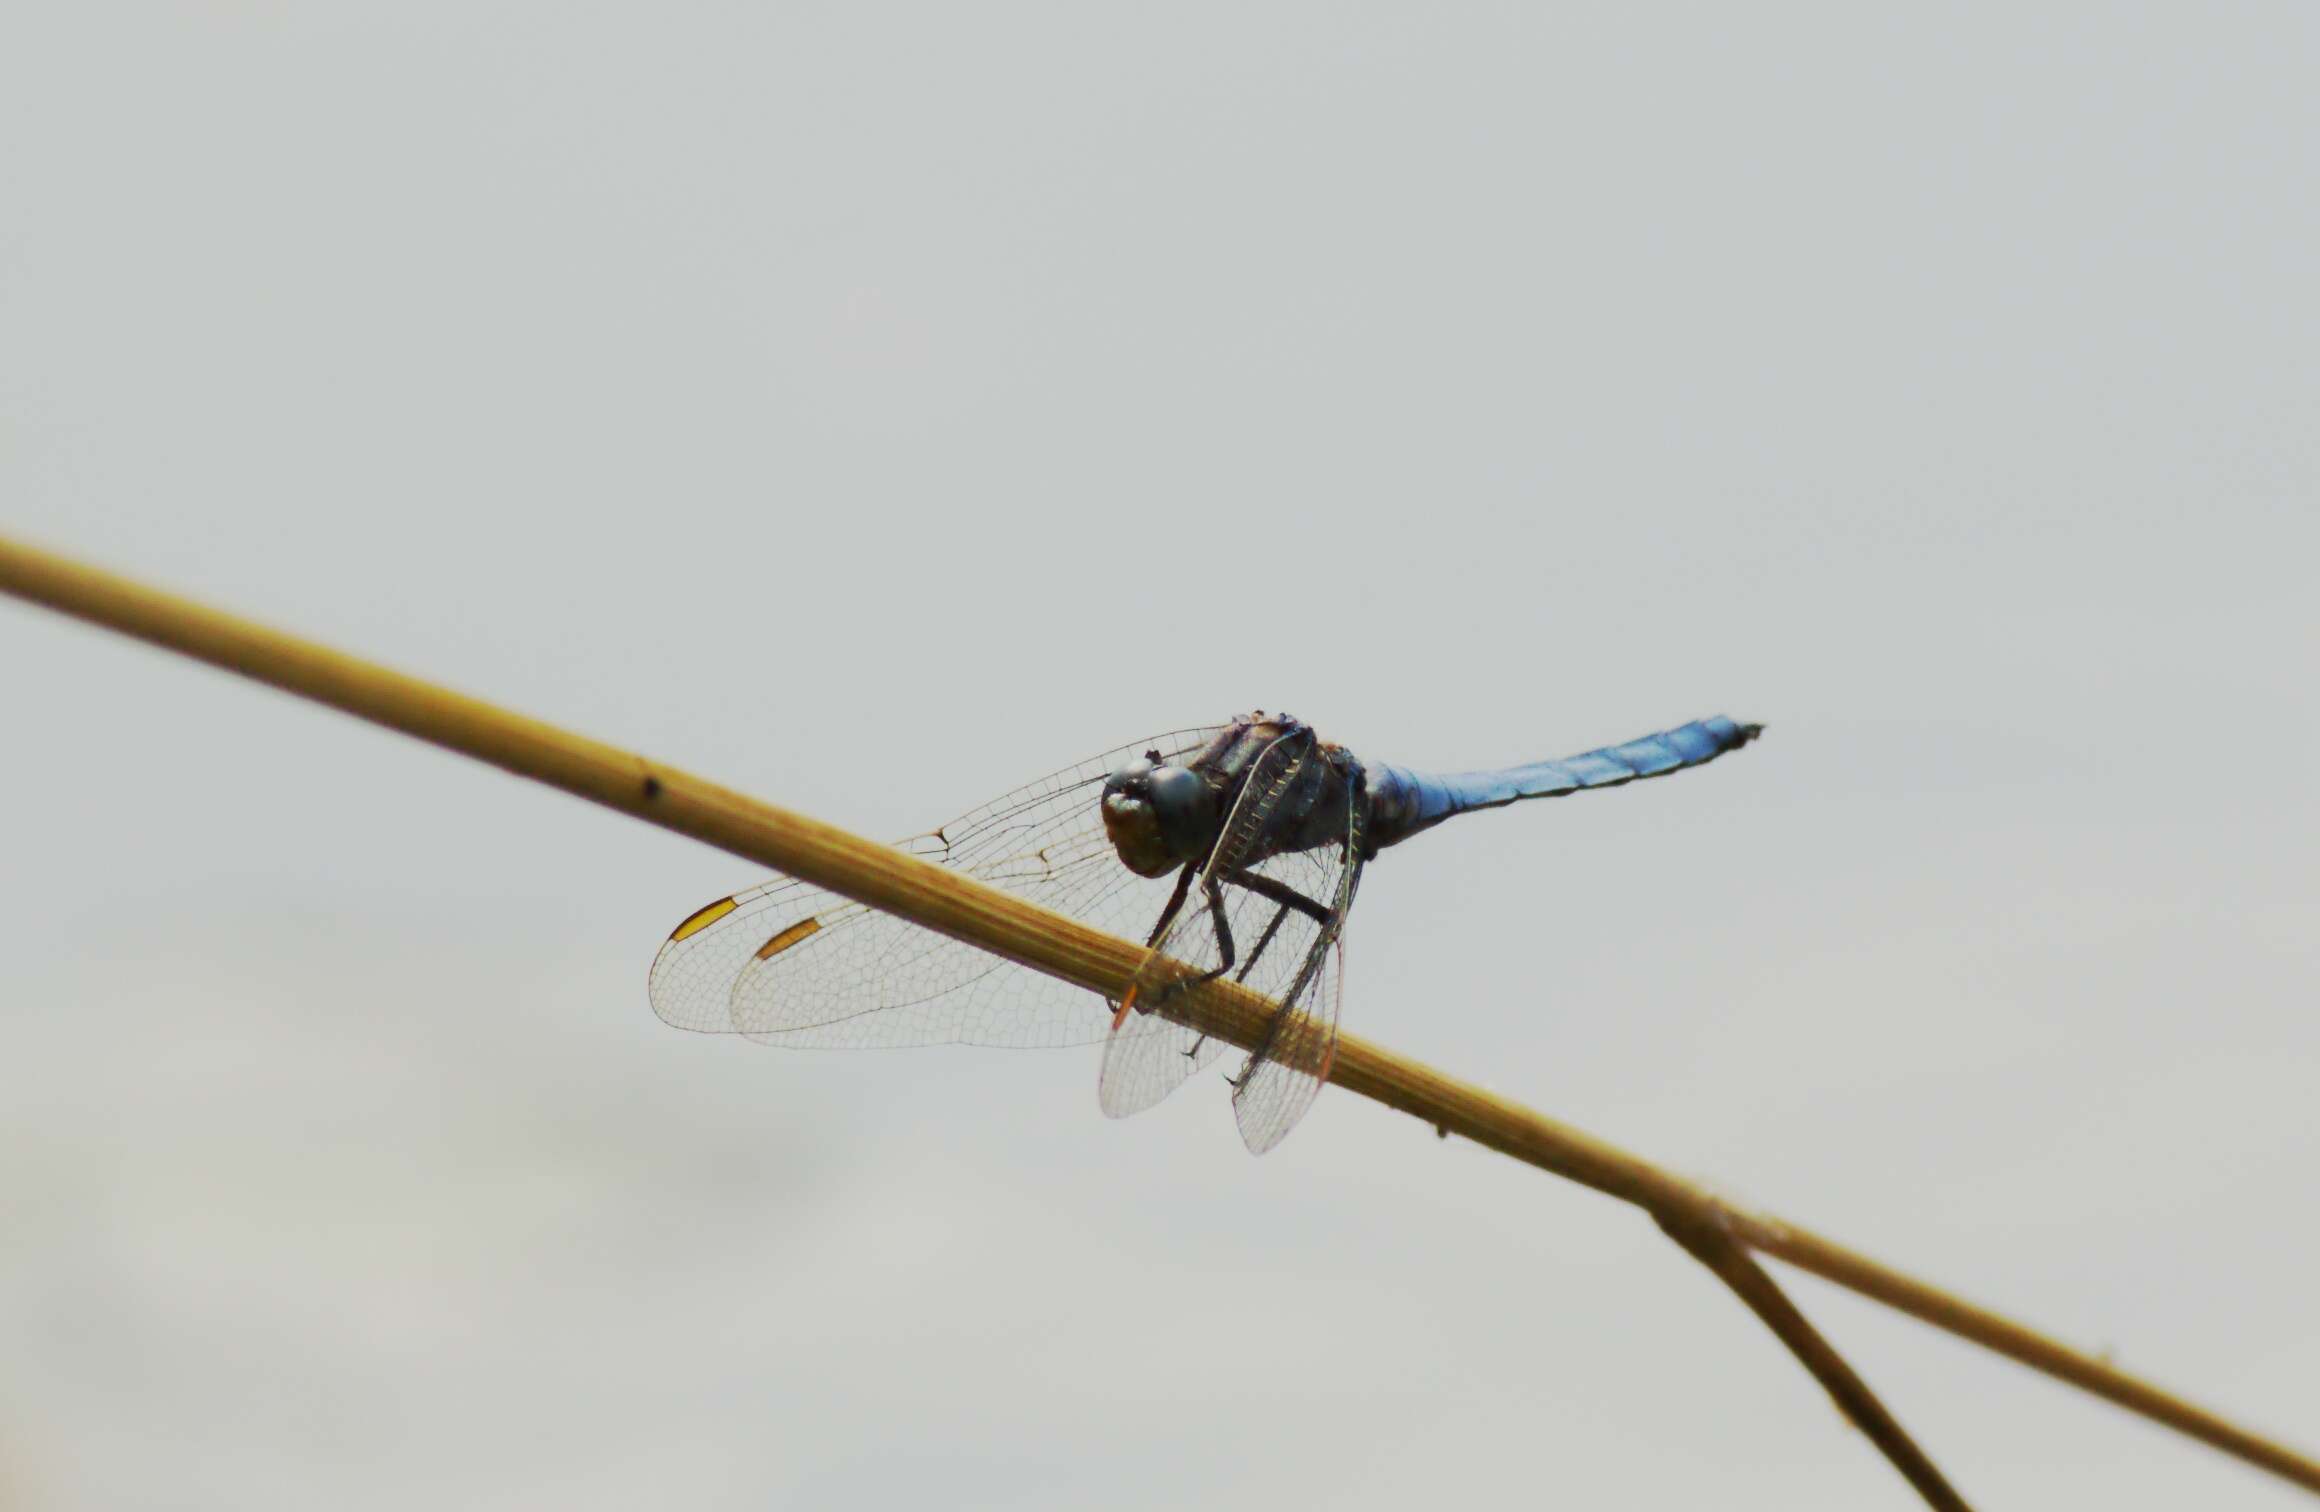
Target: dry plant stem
<point>1716,1249</point>
<point>941,900</point>
<point>1832,1262</point>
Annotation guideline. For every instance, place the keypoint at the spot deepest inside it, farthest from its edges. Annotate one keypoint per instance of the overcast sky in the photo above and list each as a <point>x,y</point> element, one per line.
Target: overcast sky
<point>874,407</point>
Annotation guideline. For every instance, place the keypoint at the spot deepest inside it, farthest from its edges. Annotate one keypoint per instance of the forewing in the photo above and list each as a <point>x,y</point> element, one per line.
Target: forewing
<point>1276,1088</point>
<point>1280,1081</point>
<point>1148,1056</point>
<point>787,963</point>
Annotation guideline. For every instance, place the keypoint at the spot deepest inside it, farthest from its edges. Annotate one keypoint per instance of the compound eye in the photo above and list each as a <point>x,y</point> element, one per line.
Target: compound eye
<point>1179,796</point>
<point>1130,778</point>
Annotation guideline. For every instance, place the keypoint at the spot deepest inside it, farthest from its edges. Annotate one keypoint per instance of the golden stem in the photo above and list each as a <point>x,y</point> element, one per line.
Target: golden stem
<point>943,900</point>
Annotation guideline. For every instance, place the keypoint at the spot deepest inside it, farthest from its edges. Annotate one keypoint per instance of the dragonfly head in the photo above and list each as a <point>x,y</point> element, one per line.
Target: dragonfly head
<point>1158,816</point>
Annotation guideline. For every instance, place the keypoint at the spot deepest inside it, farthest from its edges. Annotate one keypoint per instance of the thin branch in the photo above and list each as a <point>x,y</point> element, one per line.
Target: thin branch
<point>1833,1262</point>
<point>1715,1248</point>
<point>942,900</point>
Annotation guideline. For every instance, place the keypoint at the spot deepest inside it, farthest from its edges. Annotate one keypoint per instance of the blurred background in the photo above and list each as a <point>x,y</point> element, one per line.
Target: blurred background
<point>873,407</point>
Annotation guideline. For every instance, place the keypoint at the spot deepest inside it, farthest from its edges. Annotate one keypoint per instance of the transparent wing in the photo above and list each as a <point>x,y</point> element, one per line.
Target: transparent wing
<point>1276,1089</point>
<point>1284,916</point>
<point>1146,1056</point>
<point>787,963</point>
<point>1282,1079</point>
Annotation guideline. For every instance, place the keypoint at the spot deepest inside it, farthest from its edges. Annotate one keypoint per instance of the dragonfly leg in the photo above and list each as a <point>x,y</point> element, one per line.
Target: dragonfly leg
<point>1247,966</point>
<point>1224,943</point>
<point>1288,898</point>
<point>1224,950</point>
<point>1167,917</point>
<point>1175,902</point>
<point>1280,892</point>
<point>1263,940</point>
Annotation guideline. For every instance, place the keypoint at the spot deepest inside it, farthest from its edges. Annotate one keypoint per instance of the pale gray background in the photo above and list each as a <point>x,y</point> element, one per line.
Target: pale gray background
<point>875,407</point>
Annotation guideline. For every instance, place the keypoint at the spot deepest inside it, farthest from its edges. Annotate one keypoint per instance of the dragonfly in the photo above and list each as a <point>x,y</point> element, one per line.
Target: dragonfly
<point>1233,850</point>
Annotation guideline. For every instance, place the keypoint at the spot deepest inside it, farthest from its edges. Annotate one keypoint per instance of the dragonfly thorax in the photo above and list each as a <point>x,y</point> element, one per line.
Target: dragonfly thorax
<point>1159,816</point>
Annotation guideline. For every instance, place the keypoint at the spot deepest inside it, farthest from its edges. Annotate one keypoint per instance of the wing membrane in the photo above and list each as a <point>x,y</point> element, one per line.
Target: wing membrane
<point>1146,1056</point>
<point>1282,1079</point>
<point>1285,914</point>
<point>787,963</point>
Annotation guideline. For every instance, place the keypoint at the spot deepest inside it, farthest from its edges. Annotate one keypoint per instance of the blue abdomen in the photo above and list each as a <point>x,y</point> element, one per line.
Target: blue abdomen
<point>1403,802</point>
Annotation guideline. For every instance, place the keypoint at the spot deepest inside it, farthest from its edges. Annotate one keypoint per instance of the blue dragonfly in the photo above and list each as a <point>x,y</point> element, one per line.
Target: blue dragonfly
<point>1231,850</point>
